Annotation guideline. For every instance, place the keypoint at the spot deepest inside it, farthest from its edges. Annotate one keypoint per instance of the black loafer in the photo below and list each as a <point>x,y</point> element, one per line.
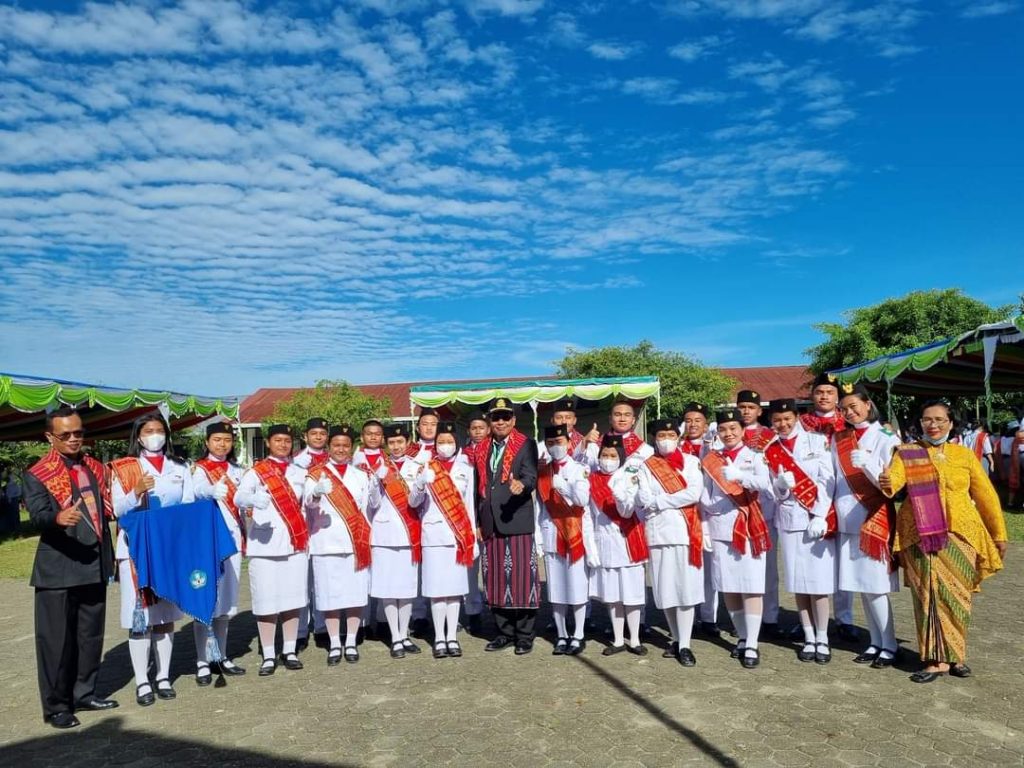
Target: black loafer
<point>499,643</point>
<point>561,646</point>
<point>868,657</point>
<point>229,668</point>
<point>144,699</point>
<point>397,651</point>
<point>62,720</point>
<point>822,657</point>
<point>926,677</point>
<point>672,651</point>
<point>881,663</point>
<point>749,662</point>
<point>291,661</point>
<point>576,647</point>
<point>806,655</point>
<point>97,705</point>
<point>959,670</point>
<point>351,654</point>
<point>523,647</point>
<point>322,640</point>
<point>165,693</point>
<point>440,650</point>
<point>268,667</point>
<point>637,650</point>
<point>454,649</point>
<point>410,647</point>
<point>847,633</point>
<point>203,680</point>
<point>334,657</point>
<point>612,650</point>
<point>686,658</point>
<point>737,651</point>
<point>710,629</point>
<point>301,644</point>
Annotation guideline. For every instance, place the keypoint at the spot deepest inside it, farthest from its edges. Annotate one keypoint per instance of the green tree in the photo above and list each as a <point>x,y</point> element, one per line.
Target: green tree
<point>683,378</point>
<point>337,401</point>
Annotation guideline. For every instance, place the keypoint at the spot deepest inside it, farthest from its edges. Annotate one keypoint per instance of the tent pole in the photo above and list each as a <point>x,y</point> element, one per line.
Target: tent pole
<point>888,398</point>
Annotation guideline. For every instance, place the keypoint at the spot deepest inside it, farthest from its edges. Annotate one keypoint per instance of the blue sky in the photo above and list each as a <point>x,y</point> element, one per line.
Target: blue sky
<point>218,196</point>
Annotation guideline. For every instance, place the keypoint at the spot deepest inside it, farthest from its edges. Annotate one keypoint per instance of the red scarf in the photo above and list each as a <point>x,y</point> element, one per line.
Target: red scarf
<point>758,437</point>
<point>667,471</point>
<point>876,531</point>
<point>750,524</point>
<point>356,522</point>
<point>513,443</point>
<point>215,471</point>
<point>979,444</point>
<point>317,459</point>
<point>631,442</point>
<point>449,500</point>
<point>567,519</point>
<point>273,477</point>
<point>631,527</point>
<point>823,425</point>
<point>54,474</point>
<point>414,448</point>
<point>398,493</point>
<point>780,458</point>
<point>691,449</point>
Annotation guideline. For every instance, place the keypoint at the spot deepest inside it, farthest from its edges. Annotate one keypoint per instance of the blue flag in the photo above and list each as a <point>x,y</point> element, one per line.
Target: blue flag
<point>178,552</point>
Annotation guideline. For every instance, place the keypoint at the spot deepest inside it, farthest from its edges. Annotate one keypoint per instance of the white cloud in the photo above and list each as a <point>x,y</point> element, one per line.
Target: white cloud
<point>988,8</point>
<point>691,50</point>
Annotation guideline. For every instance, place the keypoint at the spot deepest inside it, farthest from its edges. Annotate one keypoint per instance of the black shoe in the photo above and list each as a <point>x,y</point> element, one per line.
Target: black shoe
<point>523,647</point>
<point>322,640</point>
<point>382,630</point>
<point>881,663</point>
<point>144,699</point>
<point>561,646</point>
<point>710,629</point>
<point>397,651</point>
<point>612,650</point>
<point>959,670</point>
<point>165,693</point>
<point>576,647</point>
<point>672,651</point>
<point>637,650</point>
<point>420,627</point>
<point>334,657</point>
<point>96,705</point>
<point>291,662</point>
<point>62,720</point>
<point>301,644</point>
<point>229,668</point>
<point>440,650</point>
<point>804,654</point>
<point>772,630</point>
<point>925,677</point>
<point>203,680</point>
<point>749,662</point>
<point>868,657</point>
<point>500,643</point>
<point>686,657</point>
<point>351,654</point>
<point>847,633</point>
<point>822,656</point>
<point>454,649</point>
<point>737,650</point>
<point>410,646</point>
<point>268,667</point>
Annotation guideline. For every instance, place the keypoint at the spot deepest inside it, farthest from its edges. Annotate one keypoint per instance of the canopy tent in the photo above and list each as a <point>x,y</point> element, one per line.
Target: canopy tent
<point>463,398</point>
<point>988,359</point>
<point>107,412</point>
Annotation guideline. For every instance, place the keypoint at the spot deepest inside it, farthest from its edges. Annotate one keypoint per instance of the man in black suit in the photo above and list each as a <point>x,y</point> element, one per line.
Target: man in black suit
<point>66,497</point>
<point>506,465</point>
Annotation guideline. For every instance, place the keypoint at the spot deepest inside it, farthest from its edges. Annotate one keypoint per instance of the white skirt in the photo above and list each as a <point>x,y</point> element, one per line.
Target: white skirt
<point>393,574</point>
<point>337,583</point>
<point>278,583</point>
<point>624,585</point>
<point>809,564</point>
<point>227,587</point>
<point>567,584</point>
<point>442,576</point>
<point>736,573</point>
<point>162,612</point>
<point>860,573</point>
<point>674,581</point>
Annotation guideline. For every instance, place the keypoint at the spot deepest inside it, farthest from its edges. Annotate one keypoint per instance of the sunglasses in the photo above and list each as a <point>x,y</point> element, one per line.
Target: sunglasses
<point>502,416</point>
<point>65,436</point>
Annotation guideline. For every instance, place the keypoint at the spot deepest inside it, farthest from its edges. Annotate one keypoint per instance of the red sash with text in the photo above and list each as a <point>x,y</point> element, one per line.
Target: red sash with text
<point>53,473</point>
<point>281,493</point>
<point>215,472</point>
<point>670,479</point>
<point>355,521</point>
<point>877,529</point>
<point>806,491</point>
<point>513,443</point>
<point>567,519</point>
<point>631,527</point>
<point>750,524</point>
<point>758,438</point>
<point>449,500</point>
<point>398,493</point>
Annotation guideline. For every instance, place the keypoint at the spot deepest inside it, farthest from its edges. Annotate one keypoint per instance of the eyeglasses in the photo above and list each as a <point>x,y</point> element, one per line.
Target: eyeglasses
<point>501,417</point>
<point>65,436</point>
<point>936,422</point>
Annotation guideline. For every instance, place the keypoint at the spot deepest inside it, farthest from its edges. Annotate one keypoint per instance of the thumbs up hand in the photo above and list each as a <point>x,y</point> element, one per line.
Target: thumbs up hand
<point>593,436</point>
<point>515,486</point>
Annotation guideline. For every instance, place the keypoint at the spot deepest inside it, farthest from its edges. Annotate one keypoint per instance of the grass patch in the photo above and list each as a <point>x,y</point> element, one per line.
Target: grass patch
<point>16,556</point>
<point>1014,525</point>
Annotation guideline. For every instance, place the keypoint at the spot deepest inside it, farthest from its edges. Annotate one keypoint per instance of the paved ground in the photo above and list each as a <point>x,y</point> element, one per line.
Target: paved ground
<point>539,710</point>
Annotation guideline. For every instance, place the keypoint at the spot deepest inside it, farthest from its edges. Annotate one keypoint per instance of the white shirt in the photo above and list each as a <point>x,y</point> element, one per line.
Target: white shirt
<point>266,532</point>
<point>435,531</point>
<point>812,455</point>
<point>718,509</point>
<point>388,527</point>
<point>611,544</point>
<point>203,489</point>
<point>328,533</point>
<point>878,444</point>
<point>665,523</point>
<point>173,485</point>
<point>578,495</point>
<point>304,458</point>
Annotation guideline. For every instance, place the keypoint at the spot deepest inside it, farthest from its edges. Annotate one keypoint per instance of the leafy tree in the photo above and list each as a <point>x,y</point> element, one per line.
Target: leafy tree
<point>683,378</point>
<point>337,401</point>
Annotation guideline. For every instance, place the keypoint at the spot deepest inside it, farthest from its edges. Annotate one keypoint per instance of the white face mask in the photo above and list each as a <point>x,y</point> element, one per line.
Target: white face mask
<point>153,443</point>
<point>557,452</point>
<point>667,446</point>
<point>446,450</point>
<point>608,465</point>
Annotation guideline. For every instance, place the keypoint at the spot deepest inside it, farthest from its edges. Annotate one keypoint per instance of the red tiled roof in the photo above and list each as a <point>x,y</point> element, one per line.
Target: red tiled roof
<point>770,382</point>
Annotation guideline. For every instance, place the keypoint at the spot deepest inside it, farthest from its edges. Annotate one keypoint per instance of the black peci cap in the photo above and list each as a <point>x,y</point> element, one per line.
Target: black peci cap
<point>748,396</point>
<point>555,431</point>
<point>278,429</point>
<point>316,423</point>
<point>220,428</point>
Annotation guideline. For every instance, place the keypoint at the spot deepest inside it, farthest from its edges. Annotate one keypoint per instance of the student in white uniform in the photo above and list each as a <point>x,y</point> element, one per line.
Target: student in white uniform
<point>338,497</point>
<point>396,542</point>
<point>734,478</point>
<point>803,483</point>
<point>618,580</point>
<point>146,479</point>
<point>443,489</point>
<point>669,488</point>
<point>277,538</point>
<point>622,421</point>
<point>313,454</point>
<point>865,519</point>
<point>216,476</point>
<point>565,537</point>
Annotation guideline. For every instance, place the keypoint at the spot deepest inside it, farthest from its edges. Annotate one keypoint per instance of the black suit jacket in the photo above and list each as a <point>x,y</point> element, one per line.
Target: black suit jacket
<point>501,513</point>
<point>67,557</point>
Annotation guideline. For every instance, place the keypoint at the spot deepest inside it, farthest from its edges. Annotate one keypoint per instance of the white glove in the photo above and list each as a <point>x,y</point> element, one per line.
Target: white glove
<point>261,499</point>
<point>732,473</point>
<point>816,528</point>
<point>561,485</point>
<point>645,496</point>
<point>859,458</point>
<point>787,480</point>
<point>705,538</point>
<point>382,471</point>
<point>424,478</point>
<point>593,561</point>
<point>476,550</point>
<point>220,490</point>
<point>322,486</point>
<point>538,545</point>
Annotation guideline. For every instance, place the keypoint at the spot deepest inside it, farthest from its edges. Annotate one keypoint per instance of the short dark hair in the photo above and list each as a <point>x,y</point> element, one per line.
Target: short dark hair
<point>60,413</point>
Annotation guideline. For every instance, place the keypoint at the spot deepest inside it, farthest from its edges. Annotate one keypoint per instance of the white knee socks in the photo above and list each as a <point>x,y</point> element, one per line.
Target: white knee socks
<point>163,644</point>
<point>617,616</point>
<point>391,614</point>
<point>558,612</point>
<point>452,617</point>
<point>633,623</point>
<point>579,613</point>
<point>438,611</point>
<point>138,650</point>
<point>404,615</point>
<point>684,625</point>
<point>878,611</point>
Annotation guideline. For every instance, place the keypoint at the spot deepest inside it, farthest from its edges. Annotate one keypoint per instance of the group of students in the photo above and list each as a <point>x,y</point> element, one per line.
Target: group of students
<point>1001,455</point>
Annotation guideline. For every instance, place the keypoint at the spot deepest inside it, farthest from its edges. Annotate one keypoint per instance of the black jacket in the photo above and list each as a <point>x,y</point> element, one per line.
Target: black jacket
<point>498,511</point>
<point>67,557</point>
